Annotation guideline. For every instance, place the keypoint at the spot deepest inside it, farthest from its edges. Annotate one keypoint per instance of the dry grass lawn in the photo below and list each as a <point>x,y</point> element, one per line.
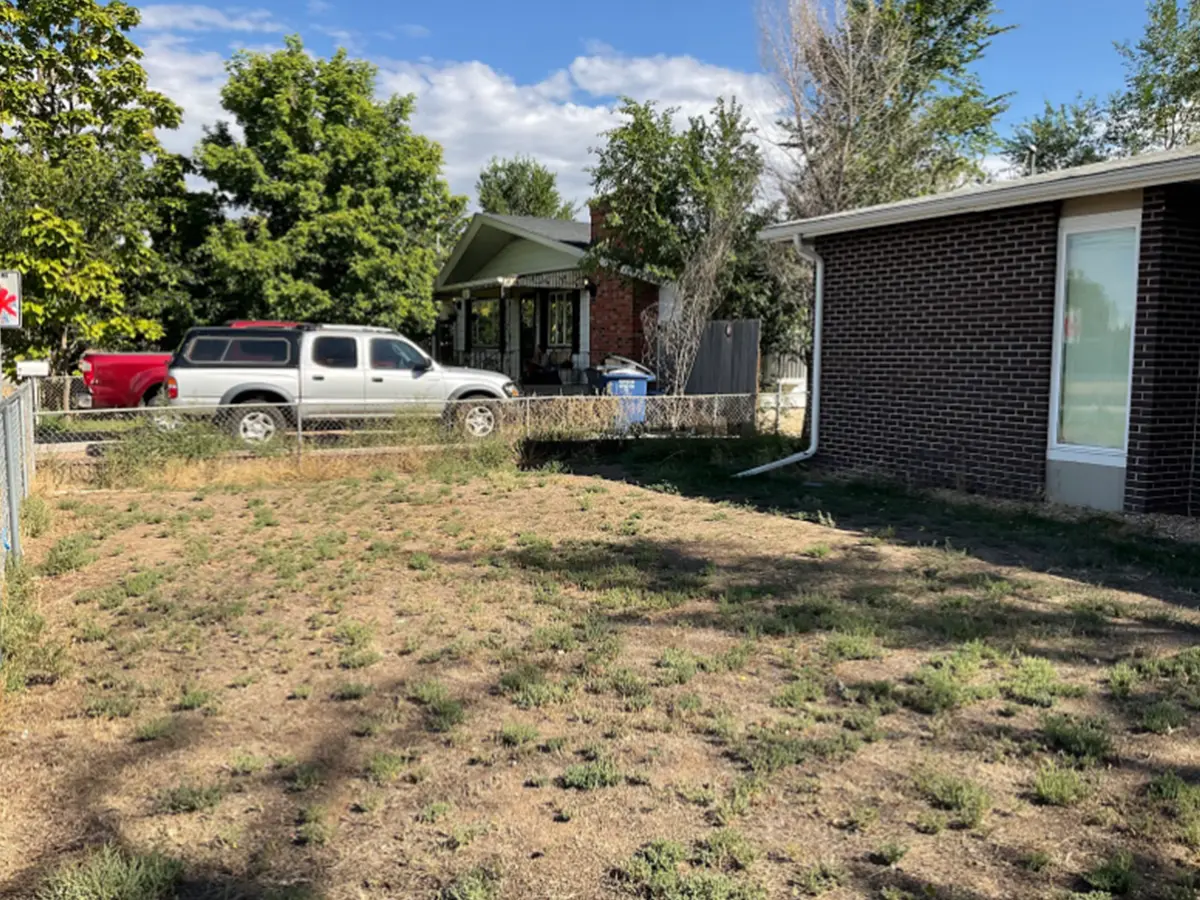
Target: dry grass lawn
<point>510,684</point>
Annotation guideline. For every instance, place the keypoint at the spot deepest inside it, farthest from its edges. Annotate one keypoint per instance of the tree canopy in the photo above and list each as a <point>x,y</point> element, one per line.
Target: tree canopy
<point>81,176</point>
<point>1061,137</point>
<point>344,213</point>
<point>521,186</point>
<point>882,101</point>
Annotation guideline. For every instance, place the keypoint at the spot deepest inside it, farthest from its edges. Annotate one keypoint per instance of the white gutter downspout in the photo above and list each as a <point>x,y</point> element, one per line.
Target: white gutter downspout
<point>815,412</point>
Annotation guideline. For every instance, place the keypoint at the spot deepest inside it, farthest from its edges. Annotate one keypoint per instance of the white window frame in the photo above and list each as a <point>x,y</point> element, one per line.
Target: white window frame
<point>1067,226</point>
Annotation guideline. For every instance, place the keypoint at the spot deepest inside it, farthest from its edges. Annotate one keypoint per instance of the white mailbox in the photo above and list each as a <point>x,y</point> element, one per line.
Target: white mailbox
<point>33,368</point>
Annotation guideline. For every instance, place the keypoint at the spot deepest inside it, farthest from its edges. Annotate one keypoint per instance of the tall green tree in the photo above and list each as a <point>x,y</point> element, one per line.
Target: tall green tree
<point>882,99</point>
<point>521,186</point>
<point>1159,108</point>
<point>345,213</point>
<point>679,209</point>
<point>1061,137</point>
<point>81,176</point>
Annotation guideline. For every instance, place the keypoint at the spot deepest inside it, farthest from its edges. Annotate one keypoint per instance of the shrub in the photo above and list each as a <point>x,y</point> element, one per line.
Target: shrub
<point>1035,683</point>
<point>590,776</point>
<point>1116,875</point>
<point>890,853</point>
<point>155,729</point>
<point>386,766</point>
<point>806,688</point>
<point>726,850</point>
<point>186,798</point>
<point>958,795</point>
<point>528,687</point>
<point>111,873</point>
<point>517,734</point>
<point>1056,786</point>
<point>944,683</point>
<point>1163,717</point>
<point>676,666</point>
<point>313,826</point>
<point>349,690</point>
<point>1123,679</point>
<point>654,872</point>
<point>442,712</point>
<point>476,884</point>
<point>1086,739</point>
<point>820,878</point>
<point>851,645</point>
<point>68,553</point>
<point>24,657</point>
<point>434,812</point>
<point>35,516</point>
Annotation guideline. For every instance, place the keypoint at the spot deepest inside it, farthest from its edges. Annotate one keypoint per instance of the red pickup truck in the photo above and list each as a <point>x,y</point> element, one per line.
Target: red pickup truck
<point>125,380</point>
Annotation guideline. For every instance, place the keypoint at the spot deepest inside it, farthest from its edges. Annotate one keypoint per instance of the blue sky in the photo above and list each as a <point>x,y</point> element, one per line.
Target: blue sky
<point>539,76</point>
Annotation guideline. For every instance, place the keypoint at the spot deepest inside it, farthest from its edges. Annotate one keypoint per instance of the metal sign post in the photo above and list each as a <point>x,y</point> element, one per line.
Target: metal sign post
<point>10,304</point>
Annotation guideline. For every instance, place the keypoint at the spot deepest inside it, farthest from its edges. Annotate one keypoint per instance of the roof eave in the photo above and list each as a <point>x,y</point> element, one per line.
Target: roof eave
<point>1018,193</point>
<point>481,219</point>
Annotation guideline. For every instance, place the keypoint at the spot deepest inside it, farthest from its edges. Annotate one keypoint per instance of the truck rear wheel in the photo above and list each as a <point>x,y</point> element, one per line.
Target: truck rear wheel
<point>256,426</point>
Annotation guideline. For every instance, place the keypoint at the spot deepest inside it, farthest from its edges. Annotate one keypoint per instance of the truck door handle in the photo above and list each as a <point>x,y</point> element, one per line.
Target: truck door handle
<point>318,378</point>
<point>378,379</point>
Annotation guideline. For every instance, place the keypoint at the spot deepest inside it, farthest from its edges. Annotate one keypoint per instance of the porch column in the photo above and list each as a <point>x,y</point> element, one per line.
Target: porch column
<point>462,305</point>
<point>583,331</point>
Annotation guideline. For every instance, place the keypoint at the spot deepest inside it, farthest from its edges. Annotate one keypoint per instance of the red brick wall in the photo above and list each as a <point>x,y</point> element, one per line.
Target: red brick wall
<point>1160,473</point>
<point>937,350</point>
<point>617,307</point>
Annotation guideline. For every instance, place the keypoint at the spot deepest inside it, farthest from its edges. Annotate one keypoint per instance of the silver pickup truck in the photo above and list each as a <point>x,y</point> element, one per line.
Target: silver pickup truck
<point>325,372</point>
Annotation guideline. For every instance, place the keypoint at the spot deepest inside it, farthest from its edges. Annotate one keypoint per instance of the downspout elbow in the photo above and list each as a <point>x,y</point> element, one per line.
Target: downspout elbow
<point>814,412</point>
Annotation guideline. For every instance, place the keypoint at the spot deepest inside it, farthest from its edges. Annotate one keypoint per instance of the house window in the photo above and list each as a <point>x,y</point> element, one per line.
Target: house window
<point>1096,305</point>
<point>485,323</point>
<point>562,319</point>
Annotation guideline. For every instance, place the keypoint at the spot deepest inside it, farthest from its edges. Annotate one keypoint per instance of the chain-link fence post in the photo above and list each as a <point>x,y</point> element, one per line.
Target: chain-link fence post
<point>29,419</point>
<point>299,434</point>
<point>12,478</point>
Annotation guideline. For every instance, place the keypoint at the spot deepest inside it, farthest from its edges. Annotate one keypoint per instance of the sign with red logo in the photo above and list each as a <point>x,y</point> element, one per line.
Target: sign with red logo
<point>10,299</point>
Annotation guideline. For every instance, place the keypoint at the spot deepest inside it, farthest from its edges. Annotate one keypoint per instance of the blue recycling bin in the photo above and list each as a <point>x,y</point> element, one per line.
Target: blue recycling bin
<point>630,382</point>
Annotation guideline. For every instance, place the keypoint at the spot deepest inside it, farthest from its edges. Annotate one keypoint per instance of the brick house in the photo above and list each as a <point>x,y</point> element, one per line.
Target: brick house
<point>1035,338</point>
<point>513,299</point>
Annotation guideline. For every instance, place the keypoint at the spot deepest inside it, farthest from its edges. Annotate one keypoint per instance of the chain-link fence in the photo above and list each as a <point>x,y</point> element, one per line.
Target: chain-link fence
<point>119,441</point>
<point>16,467</point>
<point>61,392</point>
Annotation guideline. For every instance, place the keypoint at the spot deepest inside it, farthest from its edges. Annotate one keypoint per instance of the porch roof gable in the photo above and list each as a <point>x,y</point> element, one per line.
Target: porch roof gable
<point>490,235</point>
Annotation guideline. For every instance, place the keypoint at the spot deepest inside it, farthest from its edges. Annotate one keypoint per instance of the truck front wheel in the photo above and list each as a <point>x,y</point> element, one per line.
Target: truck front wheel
<point>477,418</point>
<point>256,426</point>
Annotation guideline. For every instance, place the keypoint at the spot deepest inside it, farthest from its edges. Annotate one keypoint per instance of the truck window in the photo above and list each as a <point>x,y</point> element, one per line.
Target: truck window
<point>336,352</point>
<point>261,351</point>
<point>389,353</point>
<point>207,349</point>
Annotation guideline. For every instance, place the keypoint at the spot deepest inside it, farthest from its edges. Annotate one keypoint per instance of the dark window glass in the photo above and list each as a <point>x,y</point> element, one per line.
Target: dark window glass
<point>207,349</point>
<point>264,351</point>
<point>388,353</point>
<point>336,352</point>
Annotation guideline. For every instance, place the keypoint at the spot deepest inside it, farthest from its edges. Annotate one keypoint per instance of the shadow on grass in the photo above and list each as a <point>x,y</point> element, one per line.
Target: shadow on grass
<point>277,864</point>
<point>946,599</point>
<point>1101,549</point>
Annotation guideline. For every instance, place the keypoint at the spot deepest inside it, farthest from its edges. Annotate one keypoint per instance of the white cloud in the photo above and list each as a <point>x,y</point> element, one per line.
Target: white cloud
<point>194,17</point>
<point>477,112</point>
<point>192,79</point>
<point>413,30</point>
<point>318,7</point>
<point>342,37</point>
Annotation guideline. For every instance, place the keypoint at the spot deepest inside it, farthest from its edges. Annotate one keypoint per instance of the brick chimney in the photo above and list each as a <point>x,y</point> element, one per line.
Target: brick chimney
<point>616,314</point>
<point>599,211</point>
